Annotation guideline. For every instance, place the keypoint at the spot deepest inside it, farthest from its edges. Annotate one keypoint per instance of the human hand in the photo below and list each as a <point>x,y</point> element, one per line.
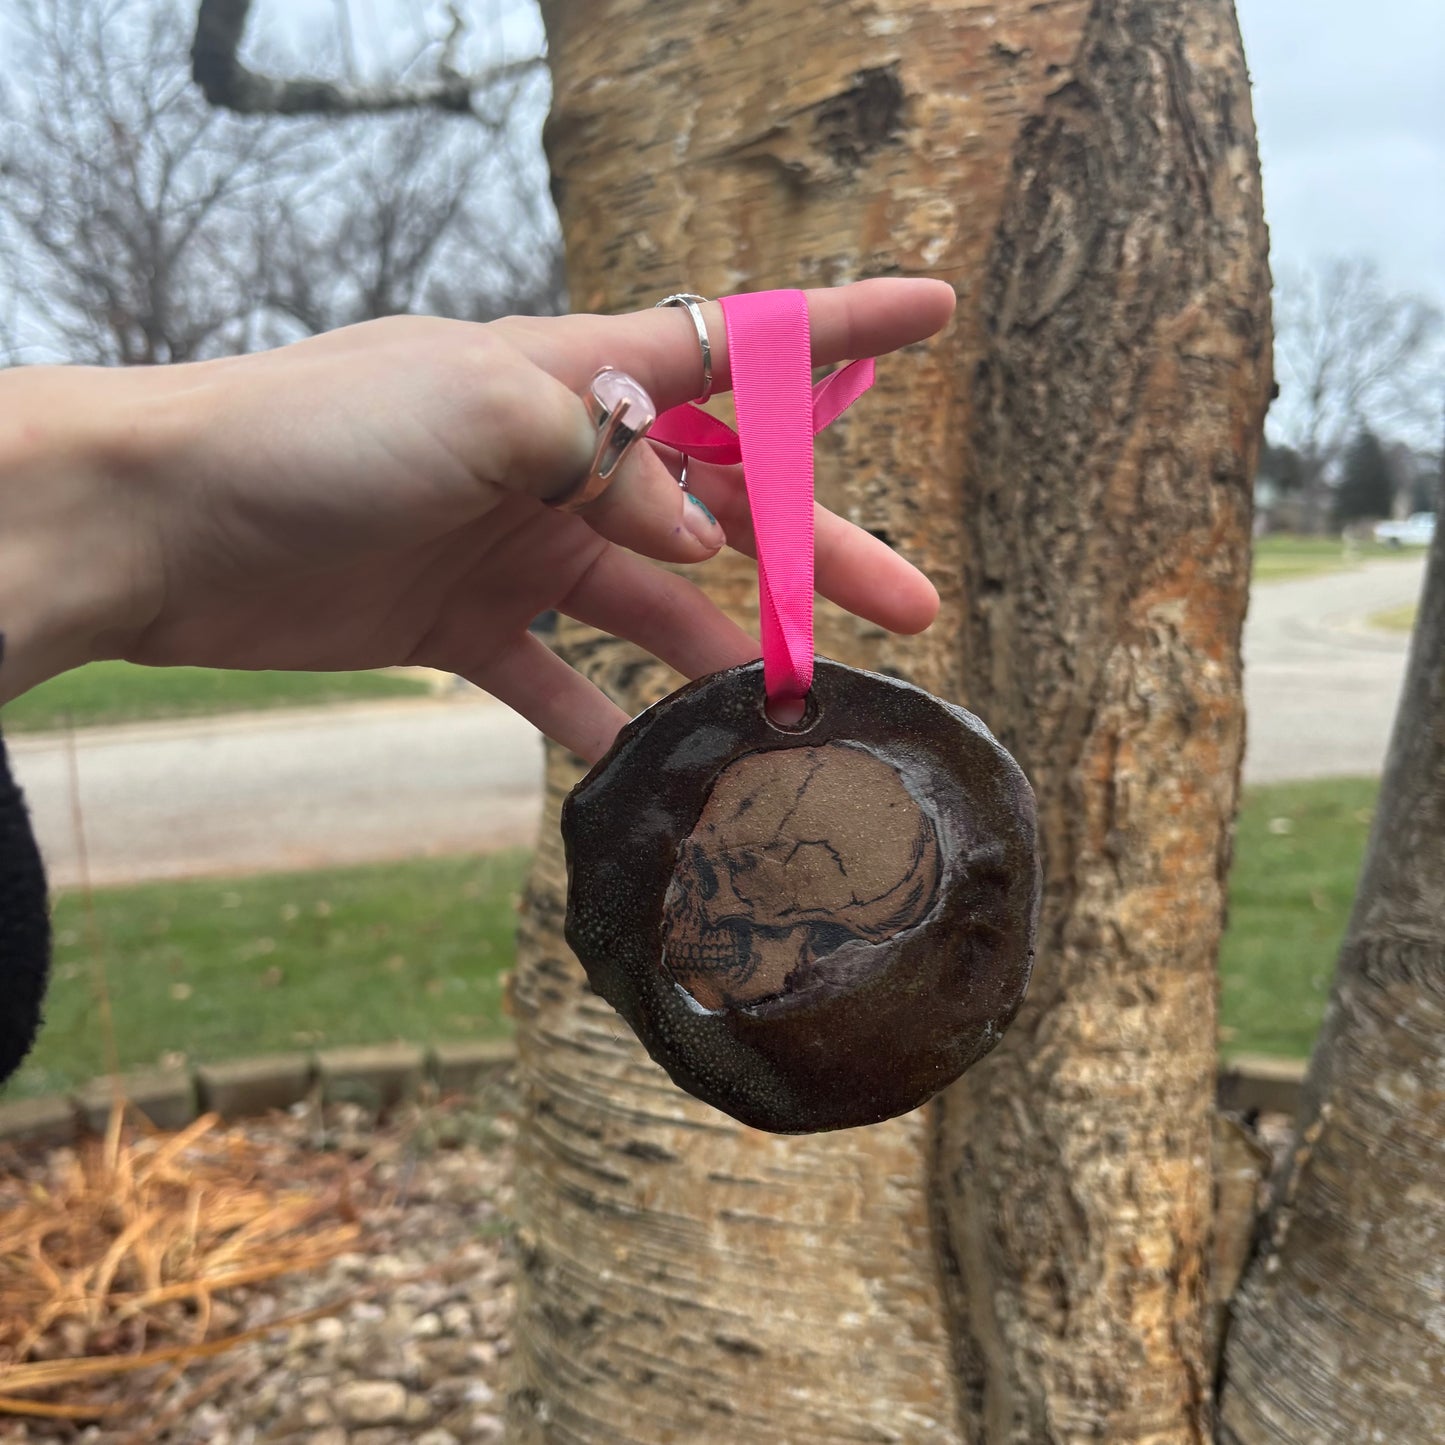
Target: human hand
<point>370,498</point>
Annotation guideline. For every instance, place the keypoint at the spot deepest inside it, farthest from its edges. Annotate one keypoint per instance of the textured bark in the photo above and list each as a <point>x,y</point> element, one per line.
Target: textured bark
<point>1241,1169</point>
<point>1339,1330</point>
<point>1071,464</point>
<point>1118,393</point>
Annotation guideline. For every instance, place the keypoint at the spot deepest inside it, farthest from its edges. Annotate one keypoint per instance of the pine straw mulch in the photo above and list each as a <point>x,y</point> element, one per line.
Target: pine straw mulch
<point>113,1254</point>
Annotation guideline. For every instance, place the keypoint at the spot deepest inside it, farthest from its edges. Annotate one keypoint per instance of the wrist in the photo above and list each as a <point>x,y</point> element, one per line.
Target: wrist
<point>73,555</point>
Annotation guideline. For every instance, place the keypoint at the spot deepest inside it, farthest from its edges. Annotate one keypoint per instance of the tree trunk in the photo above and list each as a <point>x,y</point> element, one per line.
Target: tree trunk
<point>1339,1330</point>
<point>1071,463</point>
<point>1117,401</point>
<point>683,1278</point>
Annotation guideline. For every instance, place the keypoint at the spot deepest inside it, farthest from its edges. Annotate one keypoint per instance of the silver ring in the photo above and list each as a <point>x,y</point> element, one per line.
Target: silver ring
<point>691,300</point>
<point>681,478</point>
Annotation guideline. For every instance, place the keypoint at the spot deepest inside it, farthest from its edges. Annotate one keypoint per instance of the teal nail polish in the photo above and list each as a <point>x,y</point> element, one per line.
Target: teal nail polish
<point>701,506</point>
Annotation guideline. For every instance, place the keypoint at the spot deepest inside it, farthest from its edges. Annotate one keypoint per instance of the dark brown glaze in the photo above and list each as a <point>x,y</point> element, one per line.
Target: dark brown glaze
<point>808,928</point>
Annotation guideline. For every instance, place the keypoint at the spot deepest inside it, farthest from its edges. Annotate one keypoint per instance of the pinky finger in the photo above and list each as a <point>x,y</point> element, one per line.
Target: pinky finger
<point>532,680</point>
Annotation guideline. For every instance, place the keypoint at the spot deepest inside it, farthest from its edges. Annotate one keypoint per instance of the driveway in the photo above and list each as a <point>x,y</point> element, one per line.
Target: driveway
<point>284,790</point>
<point>1320,687</point>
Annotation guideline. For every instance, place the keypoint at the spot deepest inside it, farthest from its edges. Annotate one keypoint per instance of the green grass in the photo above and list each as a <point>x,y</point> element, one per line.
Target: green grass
<point>417,951</point>
<point>1395,619</point>
<point>1297,859</point>
<point>119,692</point>
<point>225,969</point>
<point>1280,558</point>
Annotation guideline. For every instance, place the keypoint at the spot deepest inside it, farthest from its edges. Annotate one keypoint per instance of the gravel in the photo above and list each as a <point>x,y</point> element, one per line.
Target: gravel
<point>421,1358</point>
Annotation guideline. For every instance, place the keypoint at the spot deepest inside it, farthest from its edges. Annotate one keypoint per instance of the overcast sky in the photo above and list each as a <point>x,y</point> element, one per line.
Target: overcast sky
<point>1349,98</point>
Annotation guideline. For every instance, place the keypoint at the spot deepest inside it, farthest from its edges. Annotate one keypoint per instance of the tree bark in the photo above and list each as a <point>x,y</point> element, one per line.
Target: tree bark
<point>1118,396</point>
<point>683,1278</point>
<point>1339,1330</point>
<point>1071,464</point>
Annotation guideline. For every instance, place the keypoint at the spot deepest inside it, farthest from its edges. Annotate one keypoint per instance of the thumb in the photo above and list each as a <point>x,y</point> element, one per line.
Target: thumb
<point>551,444</point>
<point>530,432</point>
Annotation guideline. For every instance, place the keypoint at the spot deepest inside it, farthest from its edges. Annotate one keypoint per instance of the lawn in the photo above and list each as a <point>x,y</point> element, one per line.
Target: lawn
<point>417,950</point>
<point>118,692</point>
<point>1395,619</point>
<point>1279,558</point>
<point>228,968</point>
<point>1297,859</point>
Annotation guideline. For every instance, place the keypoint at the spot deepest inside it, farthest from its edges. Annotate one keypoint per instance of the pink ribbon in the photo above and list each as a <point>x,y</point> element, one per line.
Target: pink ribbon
<point>779,413</point>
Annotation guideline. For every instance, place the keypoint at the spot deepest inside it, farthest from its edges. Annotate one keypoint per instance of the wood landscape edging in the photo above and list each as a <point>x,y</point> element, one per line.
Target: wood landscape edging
<point>380,1076</point>
<point>376,1076</point>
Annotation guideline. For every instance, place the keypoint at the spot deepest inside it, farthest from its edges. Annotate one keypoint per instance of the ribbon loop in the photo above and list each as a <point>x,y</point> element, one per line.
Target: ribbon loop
<point>779,412</point>
<point>707,438</point>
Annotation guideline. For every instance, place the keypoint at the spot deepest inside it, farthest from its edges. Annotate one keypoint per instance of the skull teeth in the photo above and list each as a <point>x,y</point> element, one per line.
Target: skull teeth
<point>712,952</point>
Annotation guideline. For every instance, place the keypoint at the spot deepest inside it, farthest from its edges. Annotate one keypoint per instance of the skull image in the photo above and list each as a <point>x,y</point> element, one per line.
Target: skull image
<point>797,852</point>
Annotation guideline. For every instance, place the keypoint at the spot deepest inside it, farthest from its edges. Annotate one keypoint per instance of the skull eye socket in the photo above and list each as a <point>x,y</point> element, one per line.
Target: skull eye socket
<point>705,874</point>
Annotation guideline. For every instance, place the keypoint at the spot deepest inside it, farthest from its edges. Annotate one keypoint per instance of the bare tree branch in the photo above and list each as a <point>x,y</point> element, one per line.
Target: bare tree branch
<point>229,84</point>
<point>1350,354</point>
<point>139,224</point>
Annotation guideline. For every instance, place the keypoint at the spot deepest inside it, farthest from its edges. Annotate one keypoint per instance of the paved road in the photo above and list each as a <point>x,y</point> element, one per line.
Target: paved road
<point>275,791</point>
<point>1320,688</point>
<point>401,779</point>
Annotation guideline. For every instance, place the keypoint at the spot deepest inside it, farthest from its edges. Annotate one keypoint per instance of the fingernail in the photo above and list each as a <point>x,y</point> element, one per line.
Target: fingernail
<point>701,523</point>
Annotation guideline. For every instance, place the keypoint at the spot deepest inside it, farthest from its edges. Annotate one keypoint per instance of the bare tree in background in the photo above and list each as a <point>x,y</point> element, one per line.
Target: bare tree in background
<point>140,224</point>
<point>122,192</point>
<point>1350,354</point>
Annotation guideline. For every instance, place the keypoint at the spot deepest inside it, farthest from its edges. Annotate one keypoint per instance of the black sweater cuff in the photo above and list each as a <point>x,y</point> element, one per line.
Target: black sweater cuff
<point>24,926</point>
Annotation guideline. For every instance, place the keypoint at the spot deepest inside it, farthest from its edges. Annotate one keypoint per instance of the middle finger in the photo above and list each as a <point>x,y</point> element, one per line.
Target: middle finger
<point>853,568</point>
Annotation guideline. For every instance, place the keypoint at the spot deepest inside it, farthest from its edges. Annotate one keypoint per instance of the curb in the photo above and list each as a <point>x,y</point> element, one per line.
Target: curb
<point>1256,1083</point>
<point>381,1076</point>
<point>377,1076</point>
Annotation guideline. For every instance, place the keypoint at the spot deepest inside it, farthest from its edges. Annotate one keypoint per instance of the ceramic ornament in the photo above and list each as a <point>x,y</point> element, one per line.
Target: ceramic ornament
<point>808,928</point>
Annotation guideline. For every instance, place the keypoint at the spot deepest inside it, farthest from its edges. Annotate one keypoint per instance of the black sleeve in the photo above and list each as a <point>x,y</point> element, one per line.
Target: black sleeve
<point>24,926</point>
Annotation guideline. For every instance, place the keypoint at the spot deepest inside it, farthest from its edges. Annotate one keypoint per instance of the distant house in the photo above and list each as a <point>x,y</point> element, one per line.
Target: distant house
<point>1277,503</point>
<point>1414,475</point>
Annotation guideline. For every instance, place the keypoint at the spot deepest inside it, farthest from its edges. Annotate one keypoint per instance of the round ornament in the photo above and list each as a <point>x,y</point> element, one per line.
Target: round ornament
<point>809,927</point>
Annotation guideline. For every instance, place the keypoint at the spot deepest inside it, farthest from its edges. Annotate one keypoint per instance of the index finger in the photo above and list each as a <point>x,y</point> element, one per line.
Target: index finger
<point>660,347</point>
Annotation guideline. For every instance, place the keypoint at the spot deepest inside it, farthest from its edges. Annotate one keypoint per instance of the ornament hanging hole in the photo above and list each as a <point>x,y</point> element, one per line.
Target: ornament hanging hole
<point>792,715</point>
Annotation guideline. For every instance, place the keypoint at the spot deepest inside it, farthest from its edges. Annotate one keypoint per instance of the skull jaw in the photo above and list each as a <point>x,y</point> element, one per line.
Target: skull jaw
<point>739,964</point>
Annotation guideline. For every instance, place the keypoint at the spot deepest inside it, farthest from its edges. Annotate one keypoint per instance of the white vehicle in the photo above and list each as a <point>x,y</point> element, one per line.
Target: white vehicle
<point>1416,531</point>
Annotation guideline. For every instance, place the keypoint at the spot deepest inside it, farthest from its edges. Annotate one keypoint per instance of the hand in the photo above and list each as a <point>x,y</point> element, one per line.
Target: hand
<point>370,498</point>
